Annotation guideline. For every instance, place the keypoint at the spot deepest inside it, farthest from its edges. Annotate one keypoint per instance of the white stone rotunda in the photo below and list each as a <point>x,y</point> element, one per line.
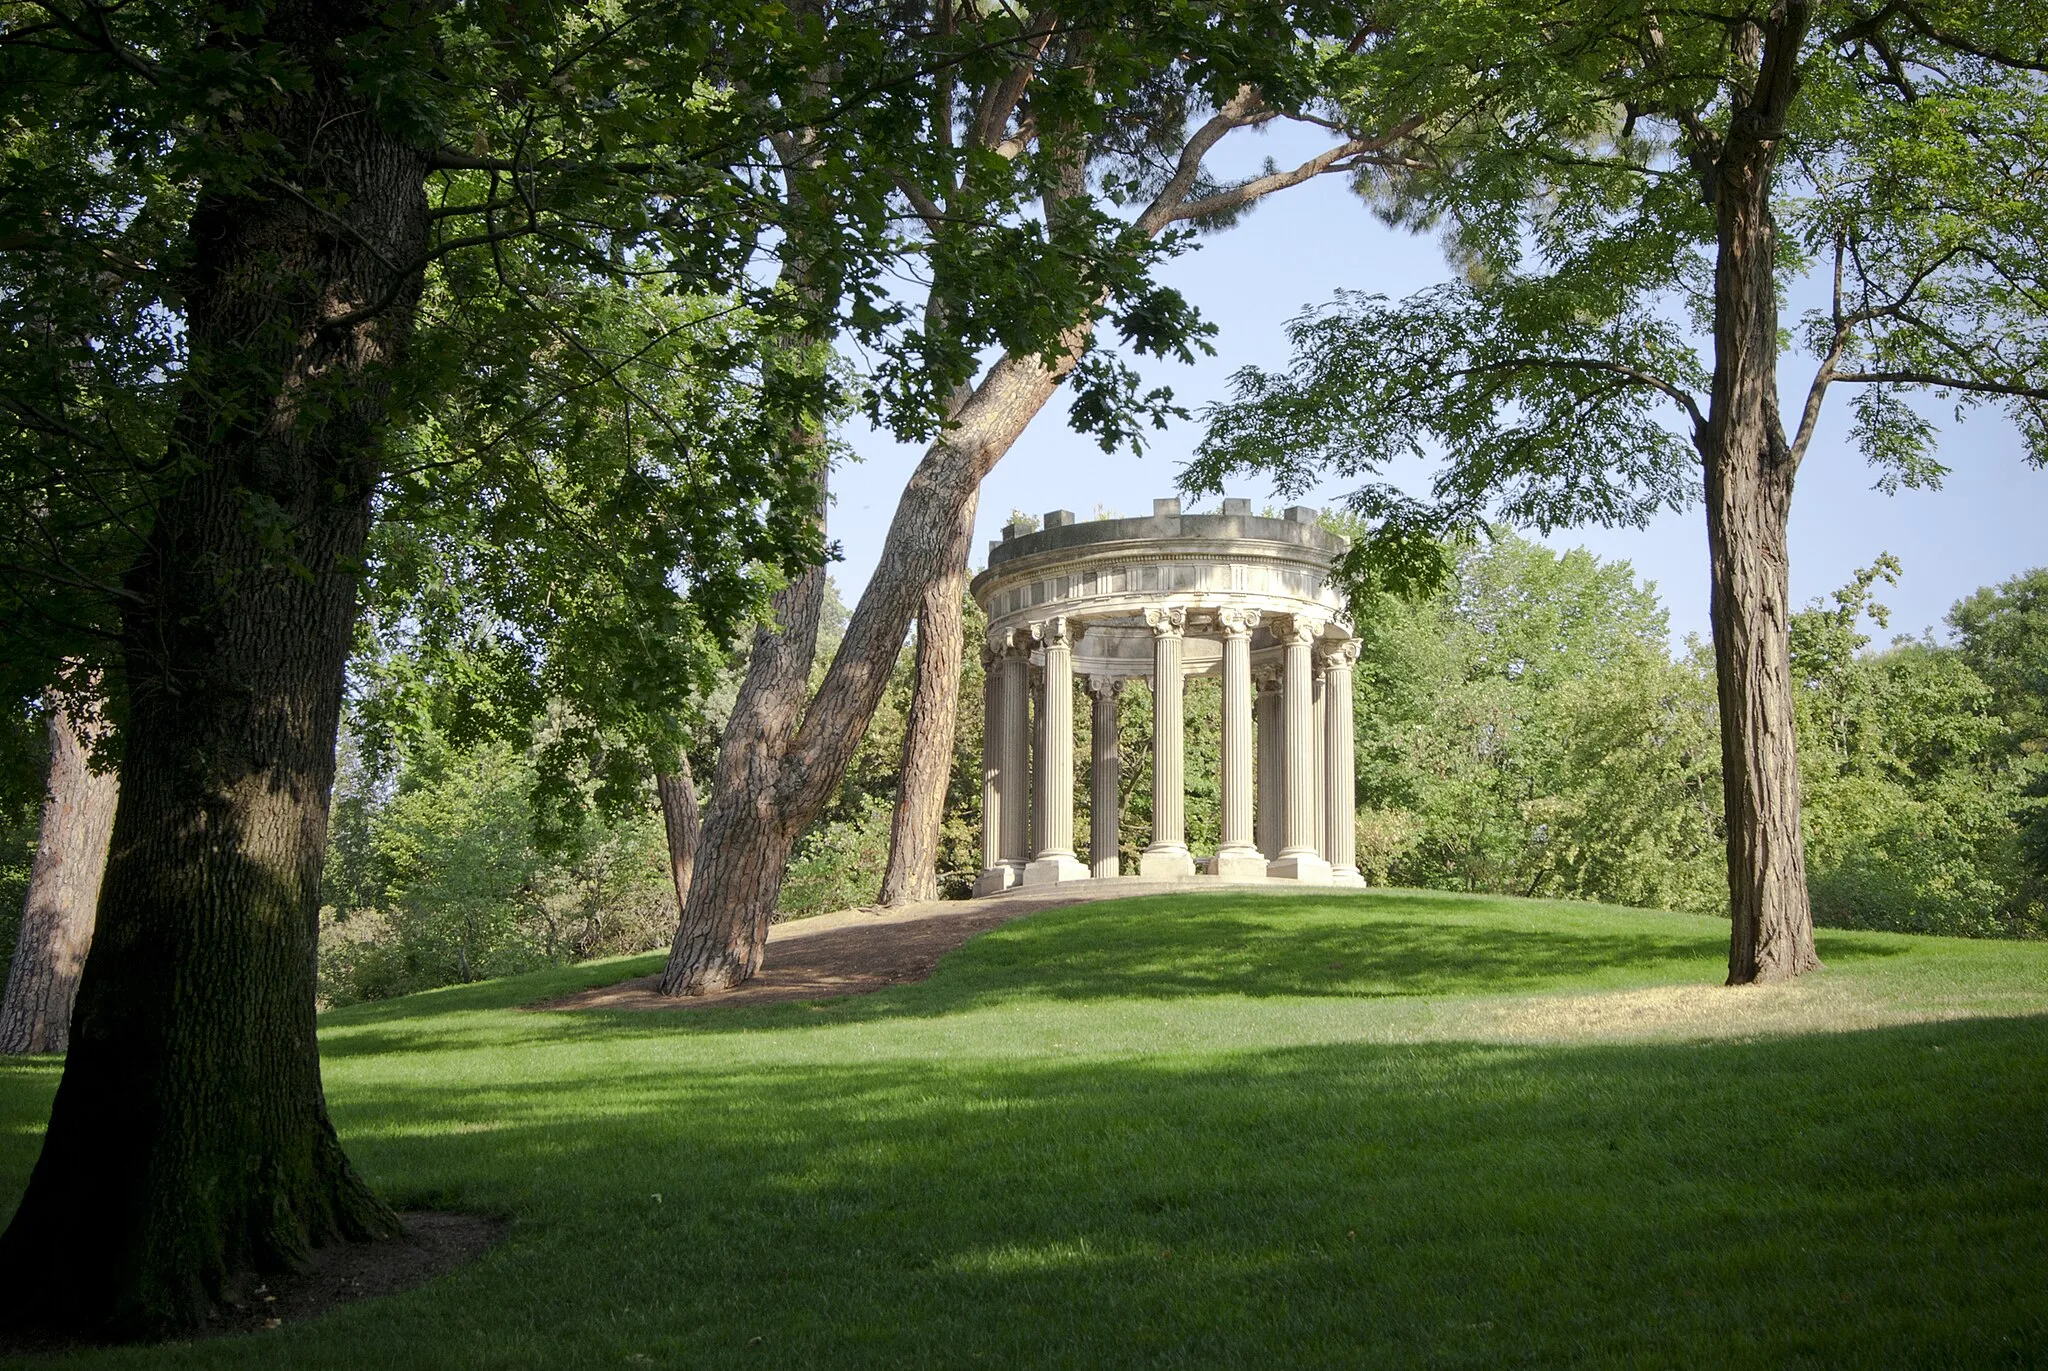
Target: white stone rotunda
<point>1233,595</point>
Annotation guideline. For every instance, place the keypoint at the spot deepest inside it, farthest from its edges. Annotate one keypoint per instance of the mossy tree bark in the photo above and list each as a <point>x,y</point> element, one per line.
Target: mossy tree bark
<point>63,894</point>
<point>190,1141</point>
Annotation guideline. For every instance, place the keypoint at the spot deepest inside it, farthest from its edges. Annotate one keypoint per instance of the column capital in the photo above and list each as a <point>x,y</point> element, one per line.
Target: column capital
<point>1236,622</point>
<point>1168,622</point>
<point>1296,629</point>
<point>1342,654</point>
<point>1009,642</point>
<point>1100,685</point>
<point>1059,631</point>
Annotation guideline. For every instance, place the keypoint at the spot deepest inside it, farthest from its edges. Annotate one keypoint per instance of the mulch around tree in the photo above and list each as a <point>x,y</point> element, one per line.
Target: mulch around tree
<point>858,951</point>
<point>433,1244</point>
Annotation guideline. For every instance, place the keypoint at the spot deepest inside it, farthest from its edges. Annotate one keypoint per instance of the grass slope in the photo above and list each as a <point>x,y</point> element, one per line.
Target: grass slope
<point>1219,1130</point>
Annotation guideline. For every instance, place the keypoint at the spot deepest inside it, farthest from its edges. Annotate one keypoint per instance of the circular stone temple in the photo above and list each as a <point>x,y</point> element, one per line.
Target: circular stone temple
<point>1233,595</point>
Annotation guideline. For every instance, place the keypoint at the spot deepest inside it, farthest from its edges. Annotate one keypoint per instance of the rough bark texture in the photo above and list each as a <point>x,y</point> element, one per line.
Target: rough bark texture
<point>63,895</point>
<point>719,940</point>
<point>758,810</point>
<point>927,767</point>
<point>190,1141</point>
<point>1749,475</point>
<point>770,788</point>
<point>681,821</point>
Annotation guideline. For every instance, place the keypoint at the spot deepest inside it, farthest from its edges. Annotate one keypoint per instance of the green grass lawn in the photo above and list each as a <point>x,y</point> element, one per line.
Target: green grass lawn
<point>1219,1130</point>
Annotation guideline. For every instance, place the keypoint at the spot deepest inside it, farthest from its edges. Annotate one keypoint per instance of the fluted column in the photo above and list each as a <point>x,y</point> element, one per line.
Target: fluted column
<point>990,878</point>
<point>1340,795</point>
<point>1105,777</point>
<point>1237,858</point>
<point>1319,731</point>
<point>1016,759</point>
<point>1271,799</point>
<point>1055,859</point>
<point>1168,854</point>
<point>1298,859</point>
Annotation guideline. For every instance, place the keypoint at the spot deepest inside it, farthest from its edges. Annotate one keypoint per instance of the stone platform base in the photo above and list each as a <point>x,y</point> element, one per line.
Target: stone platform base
<point>1053,870</point>
<point>1165,864</point>
<point>1237,866</point>
<point>995,880</point>
<point>1311,870</point>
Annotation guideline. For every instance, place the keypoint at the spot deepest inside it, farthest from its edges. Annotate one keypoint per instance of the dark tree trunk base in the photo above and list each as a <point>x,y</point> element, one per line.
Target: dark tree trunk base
<point>341,1273</point>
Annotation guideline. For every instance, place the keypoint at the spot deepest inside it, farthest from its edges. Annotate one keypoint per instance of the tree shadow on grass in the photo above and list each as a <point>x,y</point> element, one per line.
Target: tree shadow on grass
<point>1337,1205</point>
<point>1383,946</point>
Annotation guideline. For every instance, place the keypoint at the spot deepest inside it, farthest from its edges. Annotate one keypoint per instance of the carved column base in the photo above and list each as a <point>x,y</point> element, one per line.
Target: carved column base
<point>1053,870</point>
<point>1165,863</point>
<point>1346,875</point>
<point>996,879</point>
<point>1247,865</point>
<point>1310,869</point>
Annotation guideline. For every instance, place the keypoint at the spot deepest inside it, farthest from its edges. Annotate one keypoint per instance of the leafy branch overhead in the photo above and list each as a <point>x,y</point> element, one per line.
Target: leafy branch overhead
<point>1561,377</point>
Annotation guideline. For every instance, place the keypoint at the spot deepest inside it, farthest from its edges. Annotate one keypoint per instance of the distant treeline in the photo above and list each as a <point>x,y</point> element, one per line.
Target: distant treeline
<point>1526,731</point>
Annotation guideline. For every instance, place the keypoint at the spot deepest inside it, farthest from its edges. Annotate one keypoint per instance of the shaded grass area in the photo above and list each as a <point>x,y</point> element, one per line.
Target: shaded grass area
<point>1206,1131</point>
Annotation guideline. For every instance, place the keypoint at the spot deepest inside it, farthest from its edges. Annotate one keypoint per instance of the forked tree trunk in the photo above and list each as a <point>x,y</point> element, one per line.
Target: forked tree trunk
<point>926,771</point>
<point>190,1141</point>
<point>1749,475</point>
<point>722,939</point>
<point>63,895</point>
<point>771,789</point>
<point>681,822</point>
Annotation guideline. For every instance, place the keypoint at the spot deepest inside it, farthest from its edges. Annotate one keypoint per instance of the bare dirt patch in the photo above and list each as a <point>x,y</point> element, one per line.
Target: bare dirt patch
<point>857,951</point>
<point>433,1244</point>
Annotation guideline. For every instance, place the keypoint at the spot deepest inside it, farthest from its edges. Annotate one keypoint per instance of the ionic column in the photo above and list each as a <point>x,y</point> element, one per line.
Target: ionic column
<point>1236,856</point>
<point>1298,859</point>
<point>1016,759</point>
<point>1168,855</point>
<point>1105,777</point>
<point>1319,729</point>
<point>1340,798</point>
<point>1271,799</point>
<point>991,876</point>
<point>1034,837</point>
<point>1055,860</point>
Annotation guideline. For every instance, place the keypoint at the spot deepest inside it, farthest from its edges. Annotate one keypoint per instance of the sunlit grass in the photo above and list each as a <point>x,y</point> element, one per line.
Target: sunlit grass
<point>1226,1130</point>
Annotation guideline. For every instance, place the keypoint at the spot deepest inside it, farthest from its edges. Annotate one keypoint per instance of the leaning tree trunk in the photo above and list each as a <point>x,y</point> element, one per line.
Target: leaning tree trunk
<point>63,893</point>
<point>777,784</point>
<point>926,771</point>
<point>680,821</point>
<point>190,1141</point>
<point>1749,474</point>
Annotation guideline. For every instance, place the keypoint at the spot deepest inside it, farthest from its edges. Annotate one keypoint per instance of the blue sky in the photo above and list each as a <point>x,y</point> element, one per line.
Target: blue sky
<point>1988,522</point>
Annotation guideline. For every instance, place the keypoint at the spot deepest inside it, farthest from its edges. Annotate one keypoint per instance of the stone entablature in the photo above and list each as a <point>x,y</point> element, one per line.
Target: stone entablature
<point>1232,595</point>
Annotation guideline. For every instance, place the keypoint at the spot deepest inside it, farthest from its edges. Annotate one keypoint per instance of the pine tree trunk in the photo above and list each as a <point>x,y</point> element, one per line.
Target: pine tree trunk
<point>773,788</point>
<point>63,895</point>
<point>926,772</point>
<point>190,1141</point>
<point>681,821</point>
<point>1749,476</point>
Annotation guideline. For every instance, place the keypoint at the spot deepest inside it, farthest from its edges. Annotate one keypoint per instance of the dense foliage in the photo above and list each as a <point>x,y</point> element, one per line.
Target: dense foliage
<point>1526,730</point>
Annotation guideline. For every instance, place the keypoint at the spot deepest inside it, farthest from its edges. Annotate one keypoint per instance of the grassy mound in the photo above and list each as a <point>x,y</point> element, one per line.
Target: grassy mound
<point>1220,1130</point>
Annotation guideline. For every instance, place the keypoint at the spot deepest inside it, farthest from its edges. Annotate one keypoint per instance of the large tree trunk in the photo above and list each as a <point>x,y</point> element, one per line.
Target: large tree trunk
<point>1749,475</point>
<point>680,821</point>
<point>190,1141</point>
<point>63,893</point>
<point>772,789</point>
<point>926,772</point>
